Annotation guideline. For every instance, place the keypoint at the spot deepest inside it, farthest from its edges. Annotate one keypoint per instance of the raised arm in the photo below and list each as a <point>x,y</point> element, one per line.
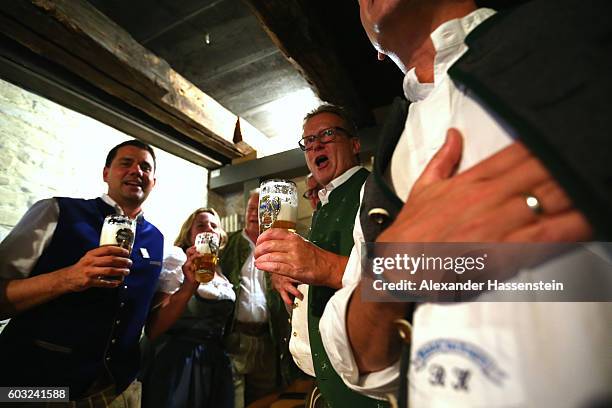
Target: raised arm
<point>286,253</point>
<point>18,295</point>
<point>22,248</point>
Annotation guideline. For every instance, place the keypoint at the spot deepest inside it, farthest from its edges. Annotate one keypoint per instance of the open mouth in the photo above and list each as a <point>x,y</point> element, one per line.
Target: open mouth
<point>320,160</point>
<point>133,183</point>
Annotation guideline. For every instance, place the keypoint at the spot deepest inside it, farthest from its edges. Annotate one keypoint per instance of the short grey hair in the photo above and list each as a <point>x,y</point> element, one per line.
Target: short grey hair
<point>338,111</point>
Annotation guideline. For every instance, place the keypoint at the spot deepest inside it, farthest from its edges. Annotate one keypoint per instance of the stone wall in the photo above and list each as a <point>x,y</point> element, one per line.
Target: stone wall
<point>217,202</point>
<point>48,150</point>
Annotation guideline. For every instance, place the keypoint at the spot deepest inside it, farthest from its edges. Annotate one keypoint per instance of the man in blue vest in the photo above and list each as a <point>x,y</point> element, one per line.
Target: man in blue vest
<point>77,310</point>
<point>531,73</point>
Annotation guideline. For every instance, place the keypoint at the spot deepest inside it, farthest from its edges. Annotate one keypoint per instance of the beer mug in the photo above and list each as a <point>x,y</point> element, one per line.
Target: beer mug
<point>207,246</point>
<point>118,230</point>
<point>278,203</point>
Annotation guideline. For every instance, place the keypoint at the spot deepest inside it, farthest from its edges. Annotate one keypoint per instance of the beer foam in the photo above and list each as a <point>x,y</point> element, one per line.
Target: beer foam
<point>108,236</point>
<point>203,248</point>
<point>287,212</point>
<point>206,243</point>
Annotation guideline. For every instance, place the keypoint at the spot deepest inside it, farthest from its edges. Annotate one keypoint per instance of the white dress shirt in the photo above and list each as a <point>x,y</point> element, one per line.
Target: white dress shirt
<point>20,250</point>
<point>252,306</point>
<point>171,278</point>
<point>544,354</point>
<point>326,191</point>
<point>299,343</point>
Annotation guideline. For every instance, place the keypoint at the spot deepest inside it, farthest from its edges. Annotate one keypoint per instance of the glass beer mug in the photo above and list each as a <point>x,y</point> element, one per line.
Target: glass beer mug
<point>118,230</point>
<point>207,245</point>
<point>278,203</point>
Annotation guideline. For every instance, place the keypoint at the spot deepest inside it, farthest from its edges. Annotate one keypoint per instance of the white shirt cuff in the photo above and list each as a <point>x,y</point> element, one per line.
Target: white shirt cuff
<point>335,339</point>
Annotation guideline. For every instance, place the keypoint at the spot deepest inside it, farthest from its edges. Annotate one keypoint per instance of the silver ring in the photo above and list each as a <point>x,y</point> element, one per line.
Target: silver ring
<point>533,203</point>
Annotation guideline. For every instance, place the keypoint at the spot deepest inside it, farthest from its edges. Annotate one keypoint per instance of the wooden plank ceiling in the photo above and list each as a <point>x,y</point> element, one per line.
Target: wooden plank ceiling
<point>252,55</point>
<point>199,65</point>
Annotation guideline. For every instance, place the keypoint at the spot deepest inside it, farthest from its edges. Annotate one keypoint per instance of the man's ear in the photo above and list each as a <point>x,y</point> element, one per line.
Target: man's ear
<point>105,173</point>
<point>356,145</point>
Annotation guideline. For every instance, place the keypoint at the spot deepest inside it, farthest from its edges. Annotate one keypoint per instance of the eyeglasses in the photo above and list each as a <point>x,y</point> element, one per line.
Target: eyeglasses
<point>308,194</point>
<point>325,136</point>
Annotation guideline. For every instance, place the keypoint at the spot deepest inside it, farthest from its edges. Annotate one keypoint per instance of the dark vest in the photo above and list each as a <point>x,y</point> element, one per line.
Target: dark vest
<point>544,68</point>
<point>79,337</point>
<point>332,230</point>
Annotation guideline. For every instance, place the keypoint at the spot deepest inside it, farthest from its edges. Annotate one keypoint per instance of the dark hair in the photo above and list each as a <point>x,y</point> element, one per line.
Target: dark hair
<point>338,111</point>
<point>136,143</point>
<point>499,4</point>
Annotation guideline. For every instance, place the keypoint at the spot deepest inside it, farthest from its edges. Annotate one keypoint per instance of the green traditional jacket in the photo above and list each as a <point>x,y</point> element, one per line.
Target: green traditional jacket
<point>231,259</point>
<point>332,230</point>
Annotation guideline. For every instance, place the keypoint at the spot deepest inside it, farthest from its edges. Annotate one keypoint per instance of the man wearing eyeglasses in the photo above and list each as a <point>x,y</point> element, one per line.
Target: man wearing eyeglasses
<point>331,149</point>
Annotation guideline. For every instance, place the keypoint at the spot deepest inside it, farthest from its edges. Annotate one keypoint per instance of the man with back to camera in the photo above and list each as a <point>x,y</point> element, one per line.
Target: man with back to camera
<point>489,95</point>
<point>77,309</point>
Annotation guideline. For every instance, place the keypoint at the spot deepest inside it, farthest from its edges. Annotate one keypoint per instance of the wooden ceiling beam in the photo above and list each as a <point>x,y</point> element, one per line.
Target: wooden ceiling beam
<point>74,34</point>
<point>304,43</point>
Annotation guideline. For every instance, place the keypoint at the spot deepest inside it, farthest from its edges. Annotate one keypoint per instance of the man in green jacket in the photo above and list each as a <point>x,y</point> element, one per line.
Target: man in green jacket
<point>331,148</point>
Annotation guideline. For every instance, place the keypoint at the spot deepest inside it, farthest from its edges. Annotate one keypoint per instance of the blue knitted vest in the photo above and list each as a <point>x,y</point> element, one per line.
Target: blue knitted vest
<point>79,337</point>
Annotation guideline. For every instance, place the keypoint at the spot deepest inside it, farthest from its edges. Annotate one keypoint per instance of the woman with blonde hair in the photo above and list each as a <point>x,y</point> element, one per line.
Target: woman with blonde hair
<point>185,364</point>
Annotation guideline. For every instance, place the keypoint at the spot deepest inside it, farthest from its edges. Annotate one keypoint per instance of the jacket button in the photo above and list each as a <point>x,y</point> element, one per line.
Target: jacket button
<point>404,329</point>
<point>378,215</point>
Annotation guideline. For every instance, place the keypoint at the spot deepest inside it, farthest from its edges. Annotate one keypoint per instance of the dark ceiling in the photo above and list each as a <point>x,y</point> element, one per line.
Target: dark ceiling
<point>220,46</point>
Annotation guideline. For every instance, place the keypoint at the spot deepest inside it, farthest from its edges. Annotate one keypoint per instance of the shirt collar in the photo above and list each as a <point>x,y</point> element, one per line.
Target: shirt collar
<point>108,200</point>
<point>449,42</point>
<point>246,236</point>
<point>335,183</point>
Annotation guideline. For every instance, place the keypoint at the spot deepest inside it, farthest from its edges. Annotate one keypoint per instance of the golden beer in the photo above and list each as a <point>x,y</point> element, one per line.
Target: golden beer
<point>288,225</point>
<point>205,266</point>
<point>207,245</point>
